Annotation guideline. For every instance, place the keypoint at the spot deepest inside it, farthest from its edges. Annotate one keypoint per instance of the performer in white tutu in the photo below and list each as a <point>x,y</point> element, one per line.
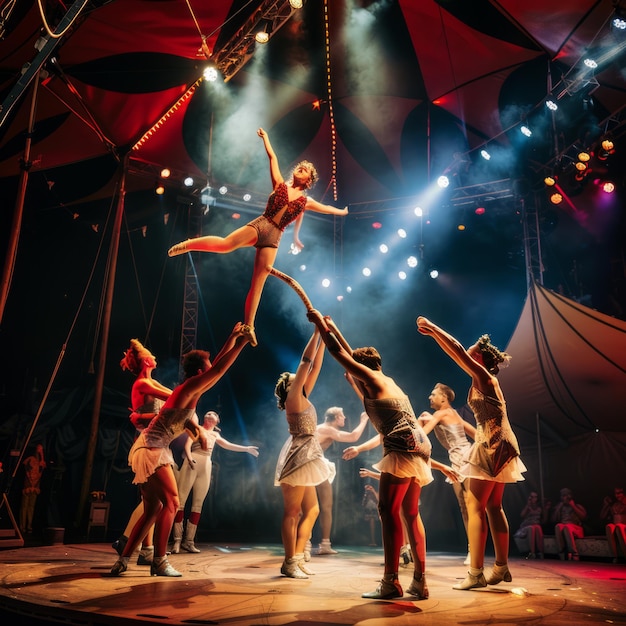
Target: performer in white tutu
<point>301,463</point>
<point>493,459</point>
<point>151,457</point>
<point>406,464</point>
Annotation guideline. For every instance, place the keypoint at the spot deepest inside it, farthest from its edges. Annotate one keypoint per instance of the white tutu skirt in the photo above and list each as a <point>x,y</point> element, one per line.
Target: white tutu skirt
<point>307,464</point>
<point>145,461</point>
<point>406,465</point>
<point>510,473</point>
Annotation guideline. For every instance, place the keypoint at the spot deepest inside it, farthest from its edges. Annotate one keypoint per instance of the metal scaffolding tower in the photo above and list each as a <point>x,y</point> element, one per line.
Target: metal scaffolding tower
<point>532,240</point>
<point>189,329</point>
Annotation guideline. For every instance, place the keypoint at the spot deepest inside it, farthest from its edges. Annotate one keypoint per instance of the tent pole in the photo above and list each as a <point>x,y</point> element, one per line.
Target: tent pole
<point>539,457</point>
<point>106,323</point>
<point>16,227</point>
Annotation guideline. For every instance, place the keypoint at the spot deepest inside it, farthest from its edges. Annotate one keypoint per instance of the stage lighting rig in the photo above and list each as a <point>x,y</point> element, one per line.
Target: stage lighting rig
<point>269,17</point>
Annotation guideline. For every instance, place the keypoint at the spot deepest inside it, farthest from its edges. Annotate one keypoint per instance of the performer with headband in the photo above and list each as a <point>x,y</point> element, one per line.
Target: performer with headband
<point>286,204</point>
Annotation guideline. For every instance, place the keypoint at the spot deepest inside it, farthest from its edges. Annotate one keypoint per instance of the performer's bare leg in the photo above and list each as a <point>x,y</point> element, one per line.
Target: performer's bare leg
<point>244,236</point>
<point>263,259</point>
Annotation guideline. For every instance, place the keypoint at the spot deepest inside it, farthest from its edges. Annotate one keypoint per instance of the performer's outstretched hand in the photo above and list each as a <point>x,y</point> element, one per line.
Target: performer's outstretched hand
<point>350,453</point>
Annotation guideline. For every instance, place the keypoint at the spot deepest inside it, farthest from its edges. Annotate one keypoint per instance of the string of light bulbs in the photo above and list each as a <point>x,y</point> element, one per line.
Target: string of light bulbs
<point>331,112</point>
<point>155,127</point>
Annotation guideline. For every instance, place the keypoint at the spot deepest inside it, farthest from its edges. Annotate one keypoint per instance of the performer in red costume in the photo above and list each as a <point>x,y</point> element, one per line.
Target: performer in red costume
<point>286,204</point>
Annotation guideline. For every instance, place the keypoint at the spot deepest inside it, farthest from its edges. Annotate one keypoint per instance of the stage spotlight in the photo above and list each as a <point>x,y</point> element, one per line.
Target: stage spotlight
<point>433,273</point>
<point>339,298</point>
<point>480,210</point>
<point>418,211</point>
<point>549,181</point>
<point>348,289</point>
<point>485,155</point>
<point>402,275</point>
<point>303,268</point>
<point>223,190</point>
<point>412,261</point>
<point>247,197</point>
<point>608,186</point>
<point>160,189</point>
<point>584,156</point>
<point>580,166</point>
<point>443,181</point>
<point>526,131</point>
<point>591,63</point>
<point>384,248</point>
<point>262,36</point>
<point>295,4</point>
<point>210,73</point>
<point>326,283</point>
<point>165,172</point>
<point>556,198</point>
<point>188,182</point>
<point>366,271</point>
<point>607,148</point>
<point>401,233</point>
<point>293,249</point>
<point>376,225</point>
<point>552,105</point>
<point>619,23</point>
<point>461,227</point>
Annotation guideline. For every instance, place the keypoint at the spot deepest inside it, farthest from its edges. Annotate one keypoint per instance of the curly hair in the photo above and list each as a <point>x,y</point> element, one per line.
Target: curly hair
<point>282,389</point>
<point>492,357</point>
<point>313,172</point>
<point>368,356</point>
<point>134,356</point>
<point>194,361</point>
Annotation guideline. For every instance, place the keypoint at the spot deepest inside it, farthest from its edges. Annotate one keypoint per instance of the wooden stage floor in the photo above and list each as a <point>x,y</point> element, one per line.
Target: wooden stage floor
<point>241,585</point>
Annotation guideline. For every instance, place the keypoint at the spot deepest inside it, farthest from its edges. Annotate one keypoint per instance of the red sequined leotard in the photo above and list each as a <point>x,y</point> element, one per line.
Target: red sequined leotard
<point>278,199</point>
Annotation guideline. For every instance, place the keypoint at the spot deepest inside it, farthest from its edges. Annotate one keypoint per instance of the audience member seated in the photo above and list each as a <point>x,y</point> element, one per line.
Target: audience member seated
<point>614,512</point>
<point>568,518</point>
<point>529,536</point>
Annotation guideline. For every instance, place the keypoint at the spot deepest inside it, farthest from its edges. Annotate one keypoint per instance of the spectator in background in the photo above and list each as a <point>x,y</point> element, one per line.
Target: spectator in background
<point>370,511</point>
<point>529,536</point>
<point>568,517</point>
<point>34,466</point>
<point>614,512</point>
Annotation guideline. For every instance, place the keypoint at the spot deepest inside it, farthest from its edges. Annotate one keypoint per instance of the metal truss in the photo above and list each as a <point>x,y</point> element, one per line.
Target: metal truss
<point>270,16</point>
